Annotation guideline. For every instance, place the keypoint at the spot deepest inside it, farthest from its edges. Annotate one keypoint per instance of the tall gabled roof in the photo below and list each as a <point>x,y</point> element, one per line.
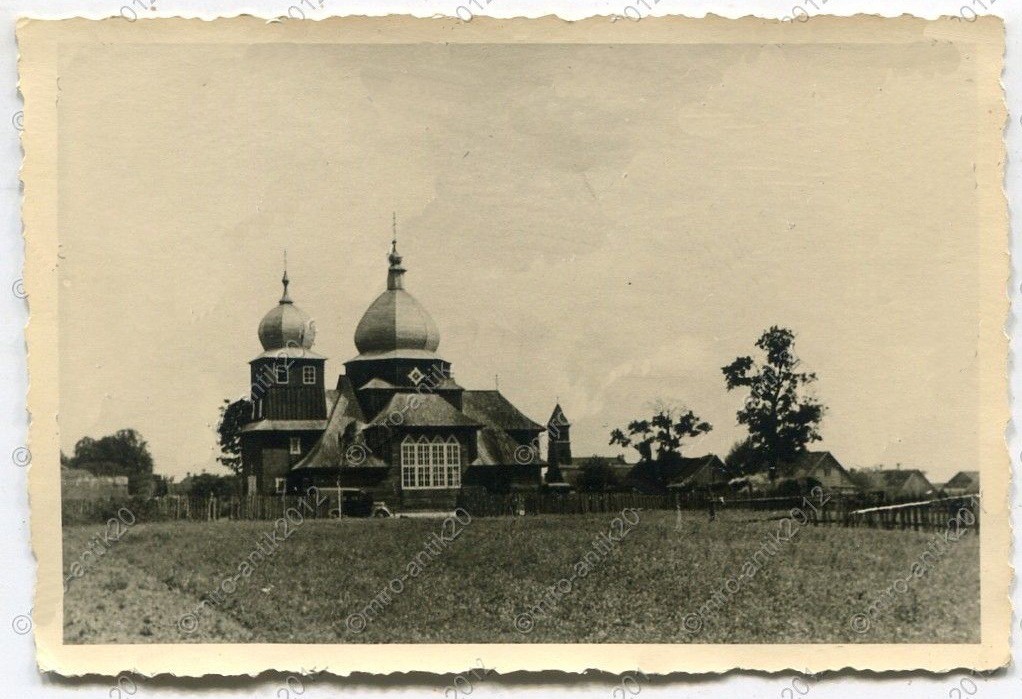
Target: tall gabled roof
<point>492,408</point>
<point>346,420</point>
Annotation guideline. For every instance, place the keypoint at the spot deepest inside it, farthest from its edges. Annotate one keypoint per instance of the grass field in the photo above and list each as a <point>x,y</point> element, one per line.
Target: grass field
<point>534,579</point>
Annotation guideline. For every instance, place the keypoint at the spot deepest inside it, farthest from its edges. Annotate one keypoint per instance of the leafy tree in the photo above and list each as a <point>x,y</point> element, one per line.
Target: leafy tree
<point>660,438</point>
<point>124,453</point>
<point>205,484</point>
<point>743,458</point>
<point>596,476</point>
<point>233,416</point>
<point>780,419</point>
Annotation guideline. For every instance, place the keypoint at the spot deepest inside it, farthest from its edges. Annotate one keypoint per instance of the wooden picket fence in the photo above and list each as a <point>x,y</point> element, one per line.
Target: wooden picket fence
<point>837,510</point>
<point>954,513</point>
<point>540,503</point>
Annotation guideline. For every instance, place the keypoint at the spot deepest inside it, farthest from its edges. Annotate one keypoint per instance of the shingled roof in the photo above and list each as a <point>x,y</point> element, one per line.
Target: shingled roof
<point>426,410</point>
<point>346,417</point>
<point>492,408</point>
<point>496,448</point>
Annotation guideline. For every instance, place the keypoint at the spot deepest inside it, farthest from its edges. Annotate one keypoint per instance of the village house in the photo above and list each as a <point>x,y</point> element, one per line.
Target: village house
<point>820,467</point>
<point>677,474</point>
<point>395,423</point>
<point>704,473</point>
<point>896,485</point>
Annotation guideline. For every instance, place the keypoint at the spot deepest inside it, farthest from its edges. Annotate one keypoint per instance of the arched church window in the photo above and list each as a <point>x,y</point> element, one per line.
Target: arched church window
<point>408,463</point>
<point>422,454</point>
<point>431,463</point>
<point>453,466</point>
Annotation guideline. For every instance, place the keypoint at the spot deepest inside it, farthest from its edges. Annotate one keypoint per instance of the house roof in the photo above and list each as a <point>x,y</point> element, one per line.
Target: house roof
<point>579,461</point>
<point>963,479</point>
<point>692,467</point>
<point>808,461</point>
<point>882,479</point>
<point>426,410</point>
<point>492,408</point>
<point>652,476</point>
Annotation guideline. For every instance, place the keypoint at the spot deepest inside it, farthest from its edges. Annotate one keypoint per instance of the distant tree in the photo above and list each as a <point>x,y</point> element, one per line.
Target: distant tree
<point>205,484</point>
<point>659,439</point>
<point>596,476</point>
<point>780,419</point>
<point>124,453</point>
<point>233,416</point>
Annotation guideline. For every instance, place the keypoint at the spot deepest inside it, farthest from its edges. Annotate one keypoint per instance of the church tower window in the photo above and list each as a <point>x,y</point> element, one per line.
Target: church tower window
<point>309,375</point>
<point>296,445</point>
<point>281,371</point>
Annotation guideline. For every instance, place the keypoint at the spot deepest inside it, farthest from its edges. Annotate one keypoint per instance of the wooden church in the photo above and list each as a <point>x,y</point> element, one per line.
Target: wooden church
<point>395,423</point>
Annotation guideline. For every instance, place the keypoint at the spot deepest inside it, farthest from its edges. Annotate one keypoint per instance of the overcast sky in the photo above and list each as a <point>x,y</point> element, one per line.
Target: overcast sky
<point>606,225</point>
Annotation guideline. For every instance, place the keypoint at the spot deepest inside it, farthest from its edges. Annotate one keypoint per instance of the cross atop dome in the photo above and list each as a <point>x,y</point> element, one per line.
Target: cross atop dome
<point>396,271</point>
<point>285,281</point>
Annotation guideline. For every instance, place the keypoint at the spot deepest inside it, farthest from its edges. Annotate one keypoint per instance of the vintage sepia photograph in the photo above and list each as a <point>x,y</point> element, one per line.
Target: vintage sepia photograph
<point>437,332</point>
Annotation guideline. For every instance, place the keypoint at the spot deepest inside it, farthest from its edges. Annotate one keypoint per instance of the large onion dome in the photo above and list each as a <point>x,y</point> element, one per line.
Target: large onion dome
<point>286,326</point>
<point>395,320</point>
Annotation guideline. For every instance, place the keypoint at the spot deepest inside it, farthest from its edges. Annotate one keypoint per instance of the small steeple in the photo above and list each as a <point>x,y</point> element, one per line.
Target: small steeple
<point>285,281</point>
<point>558,444</point>
<point>396,271</point>
<point>558,418</point>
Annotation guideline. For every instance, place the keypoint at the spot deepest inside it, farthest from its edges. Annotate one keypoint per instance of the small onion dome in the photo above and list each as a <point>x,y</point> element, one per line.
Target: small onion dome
<point>286,326</point>
<point>395,320</point>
